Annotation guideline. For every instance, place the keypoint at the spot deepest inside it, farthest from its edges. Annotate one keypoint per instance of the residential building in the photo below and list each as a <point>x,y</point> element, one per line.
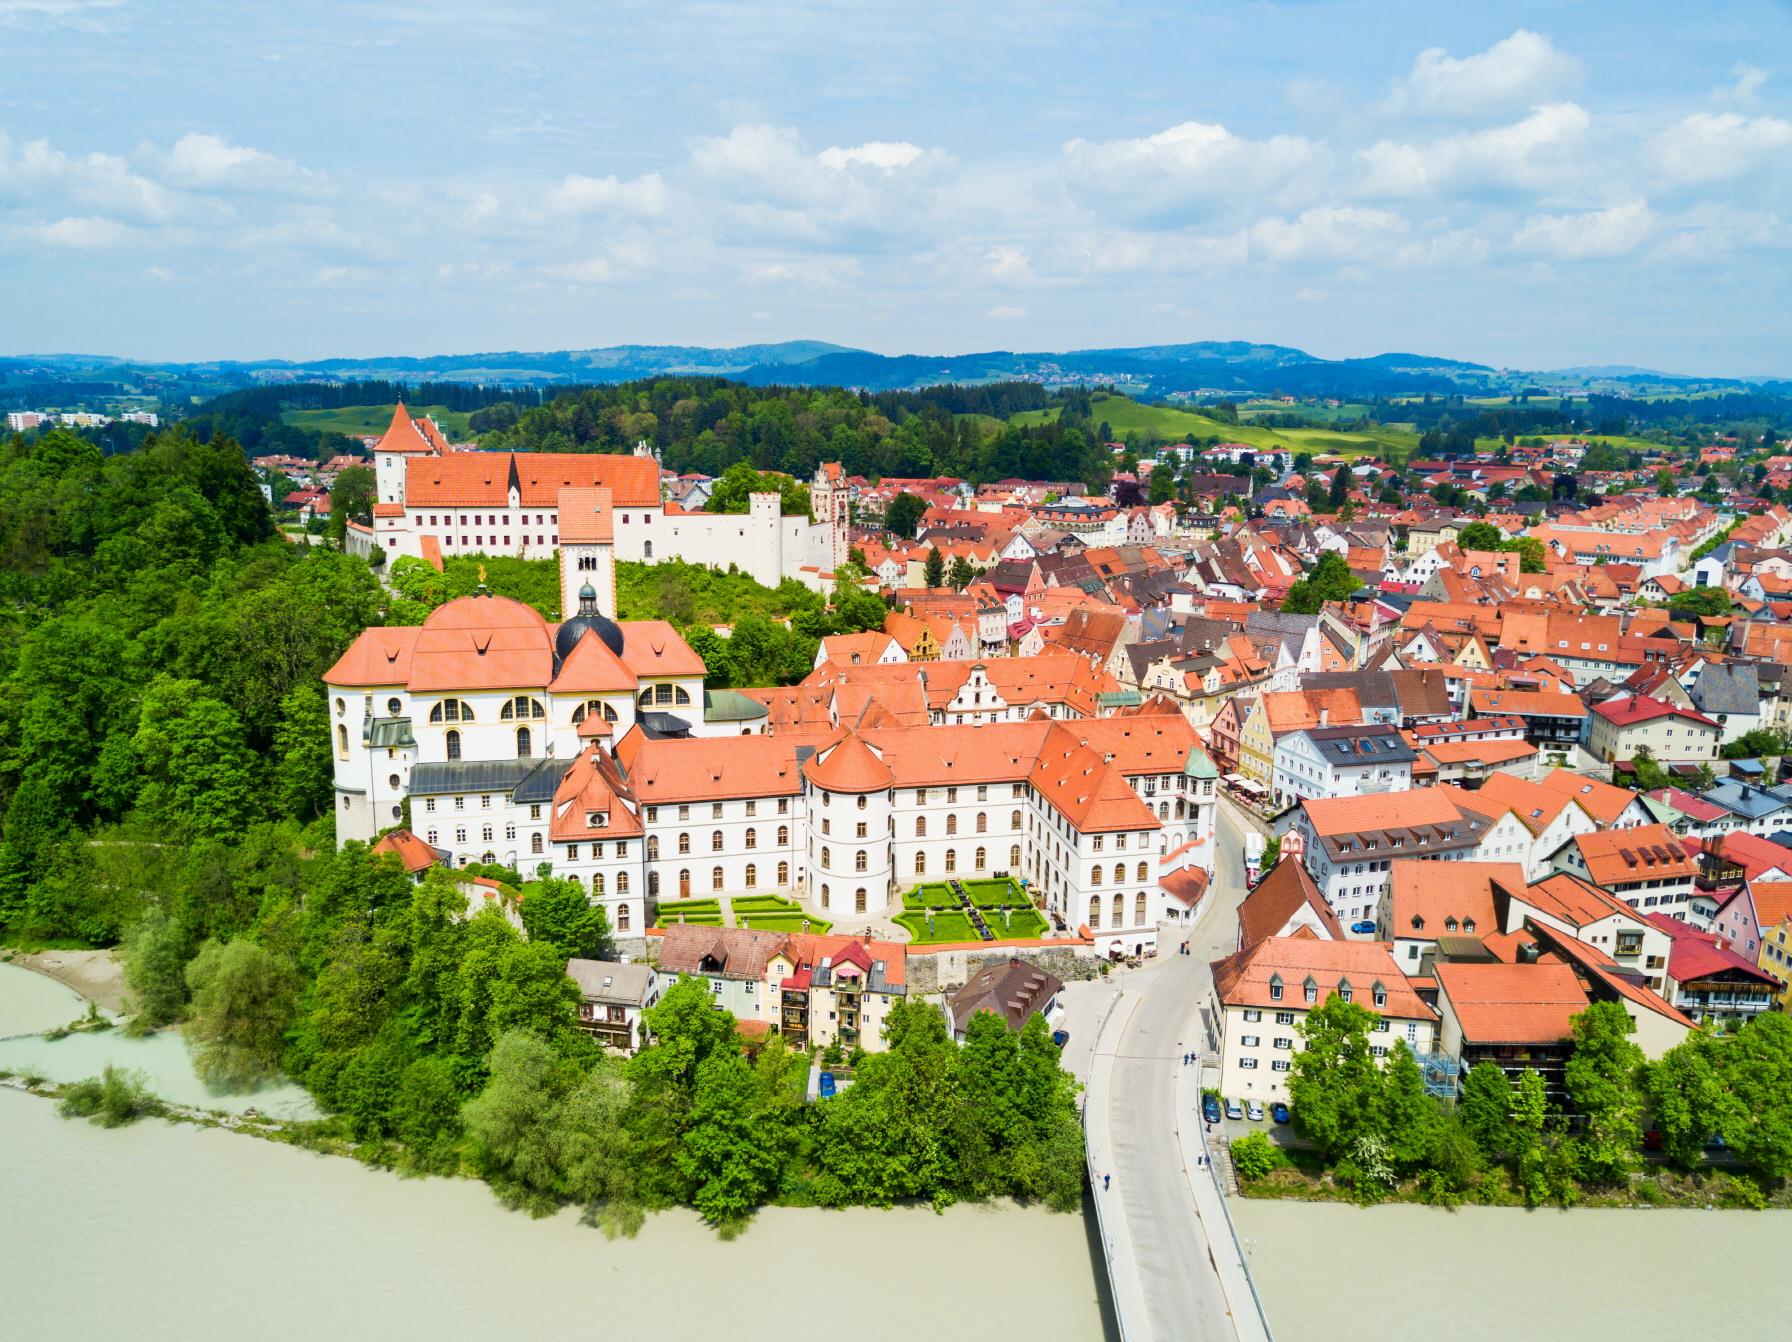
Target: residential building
<point>1341,762</point>
<point>613,998</point>
<point>1671,734</point>
<point>1516,1016</point>
<point>813,990</point>
<point>1262,994</point>
<point>1709,981</point>
<point>1014,990</point>
<point>1552,721</point>
<point>1647,867</point>
<point>1428,900</point>
<point>1285,903</point>
<point>1594,917</point>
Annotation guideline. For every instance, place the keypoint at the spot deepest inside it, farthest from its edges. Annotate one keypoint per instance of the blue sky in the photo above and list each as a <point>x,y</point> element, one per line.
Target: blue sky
<point>1533,185</point>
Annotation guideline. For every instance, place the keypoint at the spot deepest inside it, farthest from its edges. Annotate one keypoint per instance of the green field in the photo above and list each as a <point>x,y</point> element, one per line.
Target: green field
<point>949,924</point>
<point>766,913</point>
<point>360,421</point>
<point>1129,418</point>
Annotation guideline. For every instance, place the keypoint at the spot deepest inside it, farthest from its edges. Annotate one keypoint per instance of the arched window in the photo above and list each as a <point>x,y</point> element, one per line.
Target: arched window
<point>1119,910</point>
<point>1095,876</point>
<point>593,707</point>
<point>715,878</point>
<point>982,823</point>
<point>951,824</point>
<point>521,708</point>
<point>858,900</point>
<point>341,707</point>
<point>680,695</point>
<point>684,883</point>
<point>341,741</point>
<point>1138,910</point>
<point>1014,856</point>
<point>1014,820</point>
<point>451,710</point>
<point>524,743</point>
<point>859,861</point>
<point>752,837</point>
<point>951,859</point>
<point>861,801</point>
<point>684,843</point>
<point>1163,810</point>
<point>653,884</point>
<point>597,883</point>
<point>622,917</point>
<point>715,841</point>
<point>622,882</point>
<point>1094,912</point>
<point>783,836</point>
<point>920,864</point>
<point>1144,872</point>
<point>647,549</point>
<point>783,873</point>
<point>452,741</point>
<point>489,858</point>
<point>920,820</point>
<point>752,876</point>
<point>535,845</point>
<point>982,860</point>
<point>653,847</point>
<point>827,858</point>
<point>824,896</point>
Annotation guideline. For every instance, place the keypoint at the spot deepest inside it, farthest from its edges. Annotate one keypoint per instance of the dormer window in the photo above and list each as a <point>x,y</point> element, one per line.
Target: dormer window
<point>1380,995</point>
<point>1345,990</point>
<point>1449,924</point>
<point>1468,924</point>
<point>1418,923</point>
<point>1311,989</point>
<point>1275,987</point>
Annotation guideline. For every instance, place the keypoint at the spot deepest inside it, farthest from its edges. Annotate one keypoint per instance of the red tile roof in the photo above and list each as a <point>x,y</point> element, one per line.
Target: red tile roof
<point>1512,1004</point>
<point>1641,708</point>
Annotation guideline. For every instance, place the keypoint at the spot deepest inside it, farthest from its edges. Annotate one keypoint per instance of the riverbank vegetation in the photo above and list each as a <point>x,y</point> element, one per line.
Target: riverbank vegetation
<point>1720,1107</point>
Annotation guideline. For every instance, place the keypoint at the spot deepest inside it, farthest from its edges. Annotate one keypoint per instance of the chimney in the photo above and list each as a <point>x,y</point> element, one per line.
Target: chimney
<point>1325,715</point>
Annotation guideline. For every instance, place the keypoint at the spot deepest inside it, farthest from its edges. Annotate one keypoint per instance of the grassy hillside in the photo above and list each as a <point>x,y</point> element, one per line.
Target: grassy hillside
<point>357,421</point>
<point>1131,419</point>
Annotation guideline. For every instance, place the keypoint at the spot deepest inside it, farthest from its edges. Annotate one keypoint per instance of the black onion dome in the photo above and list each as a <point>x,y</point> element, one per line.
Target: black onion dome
<point>589,617</point>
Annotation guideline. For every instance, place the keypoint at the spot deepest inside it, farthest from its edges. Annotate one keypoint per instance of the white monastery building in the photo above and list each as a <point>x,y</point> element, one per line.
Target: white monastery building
<point>591,748</point>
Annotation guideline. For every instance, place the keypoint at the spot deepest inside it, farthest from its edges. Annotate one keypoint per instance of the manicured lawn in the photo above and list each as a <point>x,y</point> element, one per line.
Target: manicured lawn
<point>1127,416</point>
<point>359,421</point>
<point>1020,924</point>
<point>764,904</point>
<point>784,922</point>
<point>994,894</point>
<point>930,896</point>
<point>946,927</point>
<point>700,912</point>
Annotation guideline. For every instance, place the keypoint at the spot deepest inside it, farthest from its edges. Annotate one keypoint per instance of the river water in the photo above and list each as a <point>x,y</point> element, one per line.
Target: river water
<point>1404,1272</point>
<point>162,1230</point>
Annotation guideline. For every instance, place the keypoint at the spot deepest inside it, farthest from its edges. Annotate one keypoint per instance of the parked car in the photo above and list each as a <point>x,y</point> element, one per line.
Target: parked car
<point>827,1085</point>
<point>1254,1111</point>
<point>1060,1037</point>
<point>1279,1112</point>
<point>1366,927</point>
<point>1234,1109</point>
<point>1210,1108</point>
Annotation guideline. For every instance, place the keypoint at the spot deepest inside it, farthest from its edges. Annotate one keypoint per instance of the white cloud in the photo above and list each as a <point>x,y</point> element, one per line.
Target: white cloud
<point>1194,166</point>
<point>85,233</point>
<point>596,270</point>
<point>1716,146</point>
<point>1745,83</point>
<point>1325,233</point>
<point>1539,153</point>
<point>1520,71</point>
<point>874,154</point>
<point>1004,313</point>
<point>577,194</point>
<point>1587,234</point>
<point>1310,295</point>
<point>44,176</point>
<point>210,162</point>
<point>1008,264</point>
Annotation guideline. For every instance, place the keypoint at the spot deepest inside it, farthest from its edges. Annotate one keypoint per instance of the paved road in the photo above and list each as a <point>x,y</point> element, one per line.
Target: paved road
<point>1180,1288</point>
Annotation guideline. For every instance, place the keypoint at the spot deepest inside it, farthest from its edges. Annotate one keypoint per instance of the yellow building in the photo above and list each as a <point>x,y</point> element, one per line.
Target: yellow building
<point>1773,907</point>
<point>1257,746</point>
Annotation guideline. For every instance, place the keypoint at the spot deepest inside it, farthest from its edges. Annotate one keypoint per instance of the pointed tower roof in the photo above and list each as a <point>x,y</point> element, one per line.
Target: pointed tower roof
<point>849,766</point>
<point>402,434</point>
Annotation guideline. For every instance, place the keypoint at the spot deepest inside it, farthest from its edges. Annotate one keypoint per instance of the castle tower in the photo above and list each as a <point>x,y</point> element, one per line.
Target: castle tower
<point>830,497</point>
<point>401,440</point>
<point>587,548</point>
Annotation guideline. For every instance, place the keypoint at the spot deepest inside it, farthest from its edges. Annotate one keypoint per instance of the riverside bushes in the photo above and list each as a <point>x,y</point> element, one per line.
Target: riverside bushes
<point>113,1099</point>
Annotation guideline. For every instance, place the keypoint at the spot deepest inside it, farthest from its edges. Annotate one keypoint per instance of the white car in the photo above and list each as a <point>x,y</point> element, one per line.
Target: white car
<point>1255,1110</point>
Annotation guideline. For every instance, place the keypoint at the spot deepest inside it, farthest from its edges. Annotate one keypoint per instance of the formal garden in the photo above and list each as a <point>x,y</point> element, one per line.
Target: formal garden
<point>765,913</point>
<point>935,913</point>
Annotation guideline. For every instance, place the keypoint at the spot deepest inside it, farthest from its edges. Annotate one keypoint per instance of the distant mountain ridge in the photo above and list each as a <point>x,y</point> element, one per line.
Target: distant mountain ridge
<point>1228,367</point>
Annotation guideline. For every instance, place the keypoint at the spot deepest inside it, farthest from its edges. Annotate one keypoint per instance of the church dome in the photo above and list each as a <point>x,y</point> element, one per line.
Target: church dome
<point>589,617</point>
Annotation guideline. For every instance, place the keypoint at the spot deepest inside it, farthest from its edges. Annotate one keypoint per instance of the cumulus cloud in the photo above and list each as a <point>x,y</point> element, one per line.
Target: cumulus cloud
<point>1541,152</point>
<point>87,233</point>
<point>577,194</point>
<point>873,154</point>
<point>1345,233</point>
<point>1716,146</point>
<point>1007,312</point>
<point>1520,71</point>
<point>1586,234</point>
<point>46,176</point>
<point>1744,86</point>
<point>1193,167</point>
<point>210,162</point>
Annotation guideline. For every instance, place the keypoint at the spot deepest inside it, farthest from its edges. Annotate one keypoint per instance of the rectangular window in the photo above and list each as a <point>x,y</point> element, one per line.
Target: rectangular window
<point>1248,1064</point>
<point>1249,1040</point>
<point>1284,1018</point>
<point>1280,1065</point>
<point>1253,1015</point>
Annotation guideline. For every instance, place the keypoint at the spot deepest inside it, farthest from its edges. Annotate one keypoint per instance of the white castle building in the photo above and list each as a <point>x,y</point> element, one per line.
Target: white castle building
<point>591,748</point>
<point>432,500</point>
